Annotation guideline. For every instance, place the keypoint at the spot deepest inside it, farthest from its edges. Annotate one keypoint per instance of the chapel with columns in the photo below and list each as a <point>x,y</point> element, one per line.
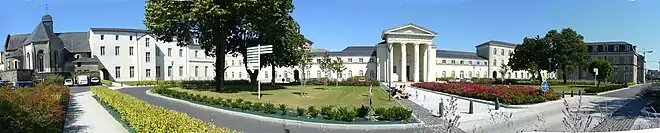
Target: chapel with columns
<point>406,54</point>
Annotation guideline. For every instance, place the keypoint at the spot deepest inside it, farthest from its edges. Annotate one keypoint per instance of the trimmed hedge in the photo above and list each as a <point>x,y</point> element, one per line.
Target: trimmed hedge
<point>352,81</point>
<point>327,112</point>
<point>604,88</point>
<point>515,95</point>
<point>144,117</point>
<point>36,110</point>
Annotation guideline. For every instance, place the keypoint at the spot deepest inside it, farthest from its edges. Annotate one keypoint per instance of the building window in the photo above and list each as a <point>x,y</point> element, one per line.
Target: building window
<point>478,63</point>
<point>232,63</point>
<point>146,43</point>
<point>130,50</point>
<point>117,72</point>
<point>206,69</point>
<point>240,75</point>
<point>169,52</point>
<point>158,52</point>
<point>169,71</point>
<point>180,52</point>
<point>502,51</point>
<point>509,52</point>
<point>180,71</point>
<point>590,48</point>
<point>622,48</point>
<point>130,38</point>
<point>148,73</point>
<point>462,75</point>
<point>148,57</point>
<point>494,51</point>
<point>157,71</point>
<point>394,69</point>
<point>453,74</point>
<point>318,60</point>
<point>444,61</point>
<point>102,36</point>
<point>350,59</point>
<point>453,61</point>
<point>470,62</point>
<point>266,74</point>
<point>131,71</point>
<point>494,62</point>
<point>195,53</point>
<point>79,64</point>
<point>116,50</point>
<point>371,60</point>
<point>361,73</point>
<point>102,50</point>
<point>318,74</point>
<point>350,73</point>
<point>477,74</point>
<point>444,74</point>
<point>461,62</point>
<point>361,60</point>
<point>372,73</point>
<point>196,71</point>
<point>470,74</point>
<point>116,37</point>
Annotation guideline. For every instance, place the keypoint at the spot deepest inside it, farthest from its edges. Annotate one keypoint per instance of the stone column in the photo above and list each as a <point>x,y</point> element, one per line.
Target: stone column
<point>427,62</point>
<point>403,63</point>
<point>390,61</point>
<point>415,71</point>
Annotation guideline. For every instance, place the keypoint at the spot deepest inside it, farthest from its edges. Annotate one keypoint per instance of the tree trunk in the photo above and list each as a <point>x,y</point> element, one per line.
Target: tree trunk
<point>337,81</point>
<point>220,61</point>
<point>272,80</point>
<point>540,77</point>
<point>563,74</point>
<point>597,83</point>
<point>252,74</point>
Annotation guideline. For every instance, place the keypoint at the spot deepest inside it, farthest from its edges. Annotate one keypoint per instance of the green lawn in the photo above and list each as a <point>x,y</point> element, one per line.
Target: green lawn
<point>317,96</point>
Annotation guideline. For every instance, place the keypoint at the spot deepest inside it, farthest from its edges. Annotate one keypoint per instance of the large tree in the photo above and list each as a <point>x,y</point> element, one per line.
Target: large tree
<point>604,70</point>
<point>223,26</point>
<point>569,49</point>
<point>337,66</point>
<point>504,69</point>
<point>532,53</point>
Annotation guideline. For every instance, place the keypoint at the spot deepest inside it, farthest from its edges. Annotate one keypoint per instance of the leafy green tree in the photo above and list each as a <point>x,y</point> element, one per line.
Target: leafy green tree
<point>569,49</point>
<point>504,69</point>
<point>338,67</point>
<point>604,70</point>
<point>326,64</point>
<point>305,65</point>
<point>532,53</point>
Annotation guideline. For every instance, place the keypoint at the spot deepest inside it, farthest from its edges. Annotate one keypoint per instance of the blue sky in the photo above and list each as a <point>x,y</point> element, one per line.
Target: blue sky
<point>335,24</point>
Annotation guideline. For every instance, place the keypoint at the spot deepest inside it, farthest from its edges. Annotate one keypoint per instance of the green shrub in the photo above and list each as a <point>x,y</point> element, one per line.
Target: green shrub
<point>330,115</point>
<point>269,108</point>
<point>362,111</point>
<point>313,112</point>
<point>344,114</point>
<point>247,105</point>
<point>283,109</point>
<point>144,117</point>
<point>359,81</point>
<point>106,82</point>
<point>446,79</point>
<point>326,109</point>
<point>54,79</point>
<point>39,109</point>
<point>257,106</point>
<point>300,111</point>
<point>483,81</point>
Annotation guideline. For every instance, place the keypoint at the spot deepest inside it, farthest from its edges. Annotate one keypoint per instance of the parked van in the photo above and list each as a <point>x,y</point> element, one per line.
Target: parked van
<point>82,80</point>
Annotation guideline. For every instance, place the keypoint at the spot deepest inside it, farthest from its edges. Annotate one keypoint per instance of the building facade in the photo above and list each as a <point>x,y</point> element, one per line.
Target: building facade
<point>629,66</point>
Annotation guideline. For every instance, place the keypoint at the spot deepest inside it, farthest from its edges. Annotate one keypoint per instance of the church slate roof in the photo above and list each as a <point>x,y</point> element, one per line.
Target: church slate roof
<point>457,54</point>
<point>75,42</point>
<point>14,42</point>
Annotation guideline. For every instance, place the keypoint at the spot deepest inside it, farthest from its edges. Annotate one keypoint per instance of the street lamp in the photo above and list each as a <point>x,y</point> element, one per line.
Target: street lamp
<point>644,63</point>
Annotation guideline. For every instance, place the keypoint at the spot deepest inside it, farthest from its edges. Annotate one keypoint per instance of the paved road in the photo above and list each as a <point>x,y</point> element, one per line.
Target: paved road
<point>246,125</point>
<point>78,89</point>
<point>624,118</point>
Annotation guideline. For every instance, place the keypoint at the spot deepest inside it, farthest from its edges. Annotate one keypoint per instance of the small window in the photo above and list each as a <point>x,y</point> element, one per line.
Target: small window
<point>157,71</point>
<point>131,71</point>
<point>102,50</point>
<point>350,59</point>
<point>180,52</point>
<point>196,71</point>
<point>117,71</point>
<point>195,53</point>
<point>102,36</point>
<point>148,73</point>
<point>130,50</point>
<point>116,37</point>
<point>361,60</point>
<point>116,50</point>
<point>444,61</point>
<point>453,61</point>
<point>462,62</point>
<point>148,57</point>
<point>180,70</point>
<point>130,38</point>
<point>169,71</point>
<point>146,43</point>
<point>79,64</point>
<point>394,69</point>
<point>169,52</point>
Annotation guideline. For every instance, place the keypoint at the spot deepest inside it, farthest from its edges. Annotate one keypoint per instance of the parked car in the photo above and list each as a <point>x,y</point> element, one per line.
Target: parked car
<point>17,84</point>
<point>68,82</point>
<point>95,81</point>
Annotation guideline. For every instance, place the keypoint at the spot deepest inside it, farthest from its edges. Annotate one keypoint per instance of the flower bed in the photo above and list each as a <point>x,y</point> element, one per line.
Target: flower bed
<point>326,114</point>
<point>514,95</point>
<point>144,117</point>
<point>41,109</point>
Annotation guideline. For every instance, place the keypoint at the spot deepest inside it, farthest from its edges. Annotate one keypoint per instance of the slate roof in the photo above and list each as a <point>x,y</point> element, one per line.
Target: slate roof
<point>120,30</point>
<point>75,42</point>
<point>349,51</point>
<point>14,42</point>
<point>457,54</point>
<point>93,59</point>
<point>607,43</point>
<point>498,43</point>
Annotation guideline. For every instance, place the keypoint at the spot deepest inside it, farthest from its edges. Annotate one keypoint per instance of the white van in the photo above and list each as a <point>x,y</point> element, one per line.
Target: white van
<point>82,80</point>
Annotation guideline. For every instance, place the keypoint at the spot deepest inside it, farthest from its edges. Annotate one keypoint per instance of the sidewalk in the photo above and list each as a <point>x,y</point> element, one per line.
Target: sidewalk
<point>86,115</point>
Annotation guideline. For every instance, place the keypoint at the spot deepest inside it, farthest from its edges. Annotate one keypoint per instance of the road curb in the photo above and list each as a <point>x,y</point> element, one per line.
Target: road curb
<point>366,127</point>
<point>620,89</point>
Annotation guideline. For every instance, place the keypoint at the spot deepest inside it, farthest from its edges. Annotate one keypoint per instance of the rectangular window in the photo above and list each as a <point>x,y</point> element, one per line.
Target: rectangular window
<point>394,71</point>
<point>462,62</point>
<point>453,61</point>
<point>116,37</point>
<point>130,50</point>
<point>195,53</point>
<point>180,52</point>
<point>169,52</point>
<point>148,57</point>
<point>117,72</point>
<point>361,60</point>
<point>148,73</point>
<point>622,48</point>
<point>266,74</point>
<point>116,50</point>
<point>610,48</point>
<point>206,71</point>
<point>470,62</point>
<point>131,71</point>
<point>371,60</point>
<point>180,70</point>
<point>102,36</point>
<point>600,48</point>
<point>146,43</point>
<point>350,59</point>
<point>157,71</point>
<point>590,48</point>
<point>444,61</point>
<point>196,71</point>
<point>102,50</point>
<point>169,71</point>
<point>130,38</point>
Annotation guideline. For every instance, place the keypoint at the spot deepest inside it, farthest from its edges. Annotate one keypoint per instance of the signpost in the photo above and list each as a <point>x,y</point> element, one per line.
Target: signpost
<point>544,86</point>
<point>254,61</point>
<point>596,74</point>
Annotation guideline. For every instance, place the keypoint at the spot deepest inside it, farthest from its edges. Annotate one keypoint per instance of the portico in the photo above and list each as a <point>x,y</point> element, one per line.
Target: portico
<point>406,54</point>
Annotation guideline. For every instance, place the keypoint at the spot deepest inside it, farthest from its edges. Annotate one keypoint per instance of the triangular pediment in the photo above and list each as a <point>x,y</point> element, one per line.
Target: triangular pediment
<point>410,29</point>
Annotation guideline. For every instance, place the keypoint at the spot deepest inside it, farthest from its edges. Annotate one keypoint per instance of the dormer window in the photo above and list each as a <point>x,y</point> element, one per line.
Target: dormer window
<point>102,37</point>
<point>116,37</point>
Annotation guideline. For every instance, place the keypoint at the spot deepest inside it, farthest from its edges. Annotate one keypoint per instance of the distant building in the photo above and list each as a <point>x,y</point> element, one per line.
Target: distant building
<point>628,65</point>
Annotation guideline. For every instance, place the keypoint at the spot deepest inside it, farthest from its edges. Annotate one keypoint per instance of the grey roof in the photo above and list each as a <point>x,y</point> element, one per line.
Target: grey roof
<point>120,30</point>
<point>607,43</point>
<point>349,51</point>
<point>498,43</point>
<point>39,34</point>
<point>93,59</point>
<point>457,54</point>
<point>75,41</point>
<point>14,42</point>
